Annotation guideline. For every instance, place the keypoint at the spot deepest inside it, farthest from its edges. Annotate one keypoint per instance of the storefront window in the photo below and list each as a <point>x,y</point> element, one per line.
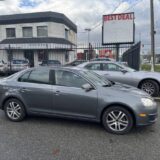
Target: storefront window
<point>42,55</point>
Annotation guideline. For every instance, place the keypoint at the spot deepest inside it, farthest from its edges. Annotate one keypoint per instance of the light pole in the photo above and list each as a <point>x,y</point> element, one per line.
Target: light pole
<point>152,36</point>
<point>88,30</point>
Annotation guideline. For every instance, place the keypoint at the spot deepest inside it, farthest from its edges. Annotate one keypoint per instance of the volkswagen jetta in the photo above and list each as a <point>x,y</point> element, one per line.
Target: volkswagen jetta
<point>75,93</point>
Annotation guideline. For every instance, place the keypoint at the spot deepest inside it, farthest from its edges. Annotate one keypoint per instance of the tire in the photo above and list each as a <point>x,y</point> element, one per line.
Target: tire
<point>117,125</point>
<point>14,110</point>
<point>151,87</point>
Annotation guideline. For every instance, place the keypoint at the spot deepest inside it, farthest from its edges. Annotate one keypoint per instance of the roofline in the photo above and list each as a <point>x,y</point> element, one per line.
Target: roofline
<point>37,17</point>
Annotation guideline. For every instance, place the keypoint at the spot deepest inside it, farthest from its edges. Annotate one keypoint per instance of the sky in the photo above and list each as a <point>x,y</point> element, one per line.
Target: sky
<point>88,14</point>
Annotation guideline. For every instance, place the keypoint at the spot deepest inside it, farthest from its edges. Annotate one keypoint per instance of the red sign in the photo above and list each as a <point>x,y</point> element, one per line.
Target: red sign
<point>123,16</point>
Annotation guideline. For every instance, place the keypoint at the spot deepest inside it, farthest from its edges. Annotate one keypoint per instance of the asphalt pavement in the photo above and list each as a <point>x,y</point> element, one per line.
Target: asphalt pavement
<point>38,138</point>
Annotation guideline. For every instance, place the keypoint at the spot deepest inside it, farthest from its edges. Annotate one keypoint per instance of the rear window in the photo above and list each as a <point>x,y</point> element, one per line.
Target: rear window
<point>19,61</point>
<point>51,62</point>
<point>54,62</point>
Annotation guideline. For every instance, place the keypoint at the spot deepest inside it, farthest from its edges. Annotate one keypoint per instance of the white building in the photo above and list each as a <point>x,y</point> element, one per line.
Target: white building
<point>37,36</point>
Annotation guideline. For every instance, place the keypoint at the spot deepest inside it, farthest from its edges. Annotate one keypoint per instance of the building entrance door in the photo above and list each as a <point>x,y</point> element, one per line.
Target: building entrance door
<point>29,54</point>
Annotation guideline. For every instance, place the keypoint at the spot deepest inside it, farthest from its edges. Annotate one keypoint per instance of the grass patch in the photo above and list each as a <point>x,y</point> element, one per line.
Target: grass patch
<point>147,67</point>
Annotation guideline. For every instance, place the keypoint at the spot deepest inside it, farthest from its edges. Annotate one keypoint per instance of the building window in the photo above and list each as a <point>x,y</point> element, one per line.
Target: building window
<point>27,32</point>
<point>42,31</point>
<point>10,33</point>
<point>66,34</point>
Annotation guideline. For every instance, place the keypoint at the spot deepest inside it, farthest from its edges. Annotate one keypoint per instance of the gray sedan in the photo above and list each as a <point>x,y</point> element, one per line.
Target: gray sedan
<point>78,94</point>
<point>117,72</point>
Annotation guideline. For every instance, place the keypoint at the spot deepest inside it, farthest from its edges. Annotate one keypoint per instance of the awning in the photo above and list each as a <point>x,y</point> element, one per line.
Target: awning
<point>36,43</point>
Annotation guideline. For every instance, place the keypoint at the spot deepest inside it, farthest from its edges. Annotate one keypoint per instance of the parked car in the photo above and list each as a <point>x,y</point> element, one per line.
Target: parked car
<point>75,62</point>
<point>117,72</point>
<point>17,65</point>
<point>109,59</point>
<point>3,67</point>
<point>78,94</point>
<point>50,63</point>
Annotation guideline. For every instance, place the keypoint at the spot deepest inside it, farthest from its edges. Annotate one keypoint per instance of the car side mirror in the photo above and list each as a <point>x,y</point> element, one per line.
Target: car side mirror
<point>124,71</point>
<point>87,87</point>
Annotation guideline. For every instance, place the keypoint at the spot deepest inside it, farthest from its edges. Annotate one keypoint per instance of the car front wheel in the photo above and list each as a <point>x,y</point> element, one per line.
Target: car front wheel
<point>117,120</point>
<point>14,110</point>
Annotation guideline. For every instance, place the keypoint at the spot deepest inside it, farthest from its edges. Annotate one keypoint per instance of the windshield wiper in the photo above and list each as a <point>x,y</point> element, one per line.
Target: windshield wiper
<point>107,85</point>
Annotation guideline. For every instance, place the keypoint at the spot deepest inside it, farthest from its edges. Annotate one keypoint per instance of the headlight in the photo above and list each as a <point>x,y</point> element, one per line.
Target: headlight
<point>147,102</point>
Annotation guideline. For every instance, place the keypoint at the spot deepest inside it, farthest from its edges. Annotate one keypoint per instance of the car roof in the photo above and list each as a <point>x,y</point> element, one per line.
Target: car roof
<point>56,68</point>
<point>92,62</point>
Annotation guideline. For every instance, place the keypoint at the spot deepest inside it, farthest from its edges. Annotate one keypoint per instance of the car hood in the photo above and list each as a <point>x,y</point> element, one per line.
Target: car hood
<point>123,89</point>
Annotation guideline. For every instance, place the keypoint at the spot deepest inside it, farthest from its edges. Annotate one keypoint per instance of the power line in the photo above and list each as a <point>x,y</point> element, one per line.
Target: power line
<point>135,4</point>
<point>99,23</point>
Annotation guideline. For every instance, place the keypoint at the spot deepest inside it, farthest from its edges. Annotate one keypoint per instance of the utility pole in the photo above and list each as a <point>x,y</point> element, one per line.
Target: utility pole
<point>88,30</point>
<point>152,36</point>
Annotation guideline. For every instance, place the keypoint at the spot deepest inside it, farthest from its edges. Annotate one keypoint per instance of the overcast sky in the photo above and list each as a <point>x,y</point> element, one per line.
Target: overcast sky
<point>88,14</point>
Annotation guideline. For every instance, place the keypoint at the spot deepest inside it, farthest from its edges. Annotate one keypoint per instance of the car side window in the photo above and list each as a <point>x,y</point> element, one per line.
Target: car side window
<point>24,77</point>
<point>95,66</point>
<point>111,67</point>
<point>39,76</point>
<point>69,79</point>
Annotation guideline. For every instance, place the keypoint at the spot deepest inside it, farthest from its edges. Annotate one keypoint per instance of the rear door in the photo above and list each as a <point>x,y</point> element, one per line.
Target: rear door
<point>36,90</point>
<point>70,98</point>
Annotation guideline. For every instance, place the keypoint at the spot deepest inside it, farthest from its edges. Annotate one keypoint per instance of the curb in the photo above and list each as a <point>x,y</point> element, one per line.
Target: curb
<point>157,99</point>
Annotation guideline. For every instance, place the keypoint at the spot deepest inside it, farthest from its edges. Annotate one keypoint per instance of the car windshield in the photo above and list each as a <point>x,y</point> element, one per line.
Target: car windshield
<point>95,78</point>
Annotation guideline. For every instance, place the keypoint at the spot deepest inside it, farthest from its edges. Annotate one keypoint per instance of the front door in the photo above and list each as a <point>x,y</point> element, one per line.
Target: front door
<point>114,73</point>
<point>29,54</point>
<point>70,98</point>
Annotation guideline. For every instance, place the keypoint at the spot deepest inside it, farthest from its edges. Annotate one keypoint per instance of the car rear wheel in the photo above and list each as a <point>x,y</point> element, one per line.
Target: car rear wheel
<point>117,120</point>
<point>151,87</point>
<point>14,110</point>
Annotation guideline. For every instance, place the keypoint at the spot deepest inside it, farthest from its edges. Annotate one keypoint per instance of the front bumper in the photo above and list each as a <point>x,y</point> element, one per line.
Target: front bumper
<point>150,118</point>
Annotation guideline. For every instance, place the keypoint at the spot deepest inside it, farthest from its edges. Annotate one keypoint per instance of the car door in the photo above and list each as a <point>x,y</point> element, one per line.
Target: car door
<point>36,90</point>
<point>114,73</point>
<point>70,98</point>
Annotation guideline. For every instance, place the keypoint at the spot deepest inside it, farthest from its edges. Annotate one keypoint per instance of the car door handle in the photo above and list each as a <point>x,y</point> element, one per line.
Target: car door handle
<point>57,93</point>
<point>24,90</point>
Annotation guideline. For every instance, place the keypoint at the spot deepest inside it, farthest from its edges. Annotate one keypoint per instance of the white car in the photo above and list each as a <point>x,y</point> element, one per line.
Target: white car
<point>17,65</point>
<point>3,67</point>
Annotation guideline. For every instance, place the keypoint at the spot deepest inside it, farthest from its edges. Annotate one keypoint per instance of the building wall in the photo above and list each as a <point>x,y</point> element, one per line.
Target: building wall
<point>4,55</point>
<point>54,30</point>
<point>18,54</point>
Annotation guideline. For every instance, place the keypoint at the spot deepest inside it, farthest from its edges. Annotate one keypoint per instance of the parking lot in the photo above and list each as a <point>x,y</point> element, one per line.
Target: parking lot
<point>39,138</point>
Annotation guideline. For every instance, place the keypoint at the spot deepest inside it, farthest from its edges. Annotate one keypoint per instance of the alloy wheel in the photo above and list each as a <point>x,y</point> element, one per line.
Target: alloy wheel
<point>13,110</point>
<point>148,87</point>
<point>117,120</point>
